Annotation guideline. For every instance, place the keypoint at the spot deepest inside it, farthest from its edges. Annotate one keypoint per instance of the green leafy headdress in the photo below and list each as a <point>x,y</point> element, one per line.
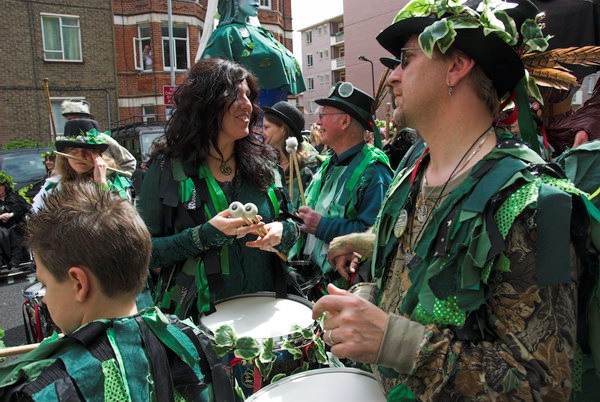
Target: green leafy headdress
<point>91,139</point>
<point>7,179</point>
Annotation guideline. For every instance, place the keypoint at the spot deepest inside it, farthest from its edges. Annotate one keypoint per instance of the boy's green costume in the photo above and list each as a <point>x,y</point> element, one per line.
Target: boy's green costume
<point>146,357</point>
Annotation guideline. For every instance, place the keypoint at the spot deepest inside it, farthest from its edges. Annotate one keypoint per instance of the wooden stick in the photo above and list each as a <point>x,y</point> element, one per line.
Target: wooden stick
<point>21,349</point>
<point>18,350</point>
<point>126,174</point>
<point>262,232</point>
<point>297,167</point>
<point>291,183</point>
<point>52,126</point>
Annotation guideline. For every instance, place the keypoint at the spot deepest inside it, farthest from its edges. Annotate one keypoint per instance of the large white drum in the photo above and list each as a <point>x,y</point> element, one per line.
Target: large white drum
<point>261,315</point>
<point>330,384</point>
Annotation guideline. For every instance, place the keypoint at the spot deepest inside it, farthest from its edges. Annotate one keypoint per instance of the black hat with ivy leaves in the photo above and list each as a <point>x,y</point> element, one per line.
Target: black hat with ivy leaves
<point>489,31</point>
<point>91,139</point>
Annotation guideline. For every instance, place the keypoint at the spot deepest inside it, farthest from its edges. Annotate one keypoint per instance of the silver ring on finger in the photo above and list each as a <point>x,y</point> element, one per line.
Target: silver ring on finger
<point>330,337</point>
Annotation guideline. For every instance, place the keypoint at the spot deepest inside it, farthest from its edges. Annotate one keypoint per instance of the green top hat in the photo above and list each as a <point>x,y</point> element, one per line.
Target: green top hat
<point>345,97</point>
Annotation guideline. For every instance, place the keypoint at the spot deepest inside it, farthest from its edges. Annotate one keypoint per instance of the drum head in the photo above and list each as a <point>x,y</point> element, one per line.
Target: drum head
<point>331,384</point>
<point>35,290</point>
<point>260,315</point>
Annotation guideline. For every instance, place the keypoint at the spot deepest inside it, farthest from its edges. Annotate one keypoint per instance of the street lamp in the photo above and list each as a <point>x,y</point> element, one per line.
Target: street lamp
<point>363,58</point>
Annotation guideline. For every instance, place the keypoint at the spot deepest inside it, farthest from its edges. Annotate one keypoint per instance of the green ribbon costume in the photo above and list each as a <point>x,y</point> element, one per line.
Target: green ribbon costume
<point>199,264</point>
<point>146,357</point>
<point>465,236</point>
<point>333,194</point>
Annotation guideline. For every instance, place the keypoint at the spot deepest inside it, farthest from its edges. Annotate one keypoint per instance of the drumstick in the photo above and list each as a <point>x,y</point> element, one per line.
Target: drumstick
<point>249,216</point>
<point>21,349</point>
<point>291,145</point>
<point>18,350</point>
<point>127,174</point>
<point>297,166</point>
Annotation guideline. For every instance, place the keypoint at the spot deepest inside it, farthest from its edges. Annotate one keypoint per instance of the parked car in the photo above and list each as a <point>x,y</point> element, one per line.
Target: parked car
<point>25,166</point>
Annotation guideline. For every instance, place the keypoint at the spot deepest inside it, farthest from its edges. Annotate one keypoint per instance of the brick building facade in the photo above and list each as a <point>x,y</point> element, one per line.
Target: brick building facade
<point>71,43</point>
<point>141,46</point>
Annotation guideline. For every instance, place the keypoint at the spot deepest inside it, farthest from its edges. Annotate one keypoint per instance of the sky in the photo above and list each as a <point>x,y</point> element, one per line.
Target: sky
<point>308,12</point>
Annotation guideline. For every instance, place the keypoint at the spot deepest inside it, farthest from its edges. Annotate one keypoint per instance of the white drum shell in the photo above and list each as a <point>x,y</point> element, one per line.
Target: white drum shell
<point>330,384</point>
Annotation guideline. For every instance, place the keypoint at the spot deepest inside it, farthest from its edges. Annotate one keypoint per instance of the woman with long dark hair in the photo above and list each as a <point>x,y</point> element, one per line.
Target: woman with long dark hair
<point>212,159</point>
<point>281,122</point>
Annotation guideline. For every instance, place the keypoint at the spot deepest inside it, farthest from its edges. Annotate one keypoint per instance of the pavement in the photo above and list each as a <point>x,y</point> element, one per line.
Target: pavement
<point>11,302</point>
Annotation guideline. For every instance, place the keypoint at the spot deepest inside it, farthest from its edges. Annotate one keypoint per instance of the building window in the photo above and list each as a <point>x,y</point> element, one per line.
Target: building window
<point>310,83</point>
<point>319,30</point>
<point>148,113</point>
<point>142,49</point>
<point>265,4</point>
<point>59,119</point>
<point>61,37</point>
<point>309,60</point>
<point>309,107</point>
<point>308,37</point>
<point>180,37</point>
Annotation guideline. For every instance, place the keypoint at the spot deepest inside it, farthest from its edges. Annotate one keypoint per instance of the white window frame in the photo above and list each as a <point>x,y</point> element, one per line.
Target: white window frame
<point>138,49</point>
<point>309,60</point>
<point>310,83</point>
<point>146,116</point>
<point>60,17</point>
<point>187,48</point>
<point>308,37</point>
<point>309,107</point>
<point>60,99</point>
<point>265,4</point>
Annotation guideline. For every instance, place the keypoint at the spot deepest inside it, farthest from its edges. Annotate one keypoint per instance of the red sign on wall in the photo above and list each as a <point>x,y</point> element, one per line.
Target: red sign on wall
<point>168,92</point>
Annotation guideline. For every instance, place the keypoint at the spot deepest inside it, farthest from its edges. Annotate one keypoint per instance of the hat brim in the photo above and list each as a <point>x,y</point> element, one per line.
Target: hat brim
<point>82,114</point>
<point>346,108</point>
<point>297,132</point>
<point>61,145</point>
<point>389,62</point>
<point>498,60</point>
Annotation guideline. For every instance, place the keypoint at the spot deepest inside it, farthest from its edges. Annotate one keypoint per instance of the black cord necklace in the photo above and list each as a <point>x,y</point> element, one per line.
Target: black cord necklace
<point>454,172</point>
<point>224,167</point>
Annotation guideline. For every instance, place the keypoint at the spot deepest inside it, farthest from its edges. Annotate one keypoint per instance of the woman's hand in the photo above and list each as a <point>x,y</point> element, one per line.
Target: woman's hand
<point>233,226</point>
<point>99,169</point>
<point>272,239</point>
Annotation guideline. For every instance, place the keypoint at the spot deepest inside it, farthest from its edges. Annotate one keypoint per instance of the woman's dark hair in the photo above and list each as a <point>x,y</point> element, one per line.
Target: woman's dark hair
<point>201,102</point>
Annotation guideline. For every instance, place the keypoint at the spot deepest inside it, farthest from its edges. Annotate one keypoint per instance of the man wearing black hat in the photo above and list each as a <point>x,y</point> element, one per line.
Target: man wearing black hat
<point>473,294</point>
<point>347,191</point>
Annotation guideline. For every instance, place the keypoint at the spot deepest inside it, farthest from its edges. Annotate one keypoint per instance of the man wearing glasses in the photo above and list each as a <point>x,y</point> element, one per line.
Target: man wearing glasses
<point>474,293</point>
<point>346,193</point>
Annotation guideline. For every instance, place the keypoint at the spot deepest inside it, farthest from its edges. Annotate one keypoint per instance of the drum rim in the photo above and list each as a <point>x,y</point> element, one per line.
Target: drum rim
<point>295,298</point>
<point>31,295</point>
<point>310,373</point>
<point>276,339</point>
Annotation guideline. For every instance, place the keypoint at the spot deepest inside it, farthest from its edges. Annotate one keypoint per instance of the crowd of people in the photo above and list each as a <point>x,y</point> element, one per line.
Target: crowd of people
<point>467,271</point>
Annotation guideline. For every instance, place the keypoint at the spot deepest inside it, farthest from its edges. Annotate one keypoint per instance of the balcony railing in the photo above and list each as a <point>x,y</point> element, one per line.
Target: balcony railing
<point>337,38</point>
<point>338,63</point>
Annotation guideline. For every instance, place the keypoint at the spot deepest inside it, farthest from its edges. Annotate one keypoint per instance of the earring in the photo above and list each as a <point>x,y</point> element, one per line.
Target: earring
<point>450,90</point>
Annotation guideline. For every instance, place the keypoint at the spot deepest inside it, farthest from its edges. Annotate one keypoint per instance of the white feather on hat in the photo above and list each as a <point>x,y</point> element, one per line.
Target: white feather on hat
<point>73,106</point>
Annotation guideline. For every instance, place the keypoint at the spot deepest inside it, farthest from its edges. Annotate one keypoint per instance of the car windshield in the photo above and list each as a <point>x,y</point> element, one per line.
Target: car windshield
<point>23,167</point>
<point>147,139</point>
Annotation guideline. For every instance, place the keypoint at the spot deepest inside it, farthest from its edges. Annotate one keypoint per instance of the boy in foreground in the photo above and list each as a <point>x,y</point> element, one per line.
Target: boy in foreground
<point>92,251</point>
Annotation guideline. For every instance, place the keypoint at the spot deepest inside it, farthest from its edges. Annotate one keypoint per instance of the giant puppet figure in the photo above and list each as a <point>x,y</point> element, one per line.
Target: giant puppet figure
<point>255,48</point>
